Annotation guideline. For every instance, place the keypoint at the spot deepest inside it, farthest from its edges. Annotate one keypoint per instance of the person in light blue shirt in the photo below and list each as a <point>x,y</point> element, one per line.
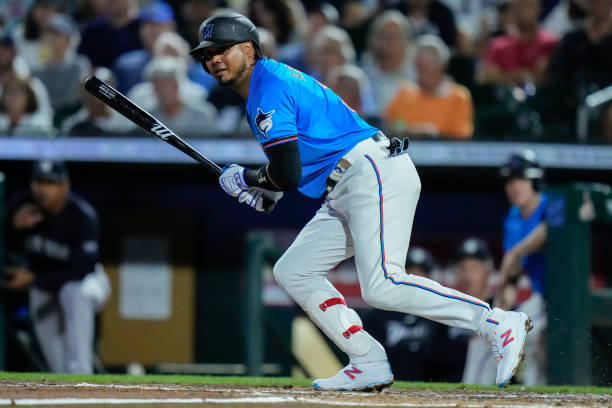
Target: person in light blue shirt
<point>319,146</point>
<point>525,233</point>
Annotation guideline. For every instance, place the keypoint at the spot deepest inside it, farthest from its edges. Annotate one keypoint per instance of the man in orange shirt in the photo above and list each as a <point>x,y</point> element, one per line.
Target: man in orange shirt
<point>435,106</point>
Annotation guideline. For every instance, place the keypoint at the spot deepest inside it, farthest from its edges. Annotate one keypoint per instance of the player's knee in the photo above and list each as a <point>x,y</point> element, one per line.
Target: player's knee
<point>376,298</point>
<point>283,273</point>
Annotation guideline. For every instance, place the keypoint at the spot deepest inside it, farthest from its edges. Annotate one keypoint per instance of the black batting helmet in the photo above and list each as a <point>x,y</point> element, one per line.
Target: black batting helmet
<point>227,28</point>
<point>524,165</point>
<point>420,257</point>
<point>473,248</point>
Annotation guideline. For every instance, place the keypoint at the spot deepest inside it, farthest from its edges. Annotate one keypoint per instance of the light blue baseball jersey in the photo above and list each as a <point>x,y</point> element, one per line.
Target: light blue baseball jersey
<point>515,230</point>
<point>285,104</point>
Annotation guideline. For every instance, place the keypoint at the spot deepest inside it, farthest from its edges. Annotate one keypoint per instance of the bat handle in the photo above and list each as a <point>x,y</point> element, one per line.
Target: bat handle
<point>268,205</point>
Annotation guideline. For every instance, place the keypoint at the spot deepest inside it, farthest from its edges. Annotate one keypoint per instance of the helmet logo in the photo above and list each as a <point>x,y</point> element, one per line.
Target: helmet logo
<point>263,120</point>
<point>207,31</point>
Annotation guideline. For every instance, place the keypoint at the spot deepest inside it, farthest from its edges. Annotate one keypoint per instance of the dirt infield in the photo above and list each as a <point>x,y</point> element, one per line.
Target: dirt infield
<point>49,393</point>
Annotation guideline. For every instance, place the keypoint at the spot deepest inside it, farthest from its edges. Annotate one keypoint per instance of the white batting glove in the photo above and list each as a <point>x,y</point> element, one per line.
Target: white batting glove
<point>259,199</point>
<point>232,180</point>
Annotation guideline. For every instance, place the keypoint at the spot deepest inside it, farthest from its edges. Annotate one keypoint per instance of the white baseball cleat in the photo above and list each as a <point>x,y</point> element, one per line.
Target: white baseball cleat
<point>507,331</point>
<point>372,376</point>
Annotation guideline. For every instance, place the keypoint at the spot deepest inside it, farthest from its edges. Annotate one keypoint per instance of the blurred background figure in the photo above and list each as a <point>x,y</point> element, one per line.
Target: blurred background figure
<point>186,117</point>
<point>192,13</point>
<point>521,57</point>
<point>331,48</point>
<point>55,233</point>
<point>156,18</point>
<point>388,61</point>
<point>430,17</point>
<point>20,113</point>
<point>421,349</point>
<point>116,32</point>
<point>95,118</point>
<point>351,84</point>
<point>28,35</point>
<point>298,54</point>
<point>525,235</point>
<point>473,268</point>
<point>13,65</point>
<point>62,71</point>
<point>566,16</point>
<point>285,19</point>
<point>582,62</point>
<point>435,106</point>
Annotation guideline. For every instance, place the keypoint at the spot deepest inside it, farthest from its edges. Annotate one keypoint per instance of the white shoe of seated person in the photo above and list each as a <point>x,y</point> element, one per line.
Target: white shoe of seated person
<point>506,331</point>
<point>371,376</point>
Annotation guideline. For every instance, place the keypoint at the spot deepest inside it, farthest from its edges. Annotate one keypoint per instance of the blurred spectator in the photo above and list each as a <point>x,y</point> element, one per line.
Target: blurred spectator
<point>583,60</point>
<point>105,38</point>
<point>186,117</point>
<point>55,233</point>
<point>351,84</point>
<point>278,16</point>
<point>566,16</point>
<point>173,45</point>
<point>473,266</point>
<point>13,65</point>
<point>606,123</point>
<point>422,350</point>
<point>13,13</point>
<point>430,17</point>
<point>89,10</point>
<point>267,42</point>
<point>19,111</point>
<point>388,61</point>
<point>156,18</point>
<point>525,235</point>
<point>522,57</point>
<point>95,118</point>
<point>331,48</point>
<point>192,13</point>
<point>298,54</point>
<point>62,71</point>
<point>28,35</point>
<point>435,106</point>
<point>505,19</point>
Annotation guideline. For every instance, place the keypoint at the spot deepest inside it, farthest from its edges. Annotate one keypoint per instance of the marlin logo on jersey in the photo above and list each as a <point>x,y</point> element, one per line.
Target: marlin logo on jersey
<point>263,120</point>
<point>207,31</point>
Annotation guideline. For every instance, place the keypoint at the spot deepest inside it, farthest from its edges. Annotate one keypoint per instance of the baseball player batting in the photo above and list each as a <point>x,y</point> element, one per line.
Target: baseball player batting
<point>319,146</point>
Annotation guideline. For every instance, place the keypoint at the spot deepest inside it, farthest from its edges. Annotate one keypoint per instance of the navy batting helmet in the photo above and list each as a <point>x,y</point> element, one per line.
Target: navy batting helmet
<point>227,28</point>
<point>523,165</point>
<point>421,258</point>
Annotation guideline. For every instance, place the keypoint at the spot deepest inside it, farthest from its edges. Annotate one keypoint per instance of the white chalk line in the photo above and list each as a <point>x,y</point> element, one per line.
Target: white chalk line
<point>113,401</point>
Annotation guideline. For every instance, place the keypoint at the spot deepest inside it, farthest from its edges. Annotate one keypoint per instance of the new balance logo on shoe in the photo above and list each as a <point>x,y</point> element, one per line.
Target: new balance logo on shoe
<point>507,338</point>
<point>351,371</point>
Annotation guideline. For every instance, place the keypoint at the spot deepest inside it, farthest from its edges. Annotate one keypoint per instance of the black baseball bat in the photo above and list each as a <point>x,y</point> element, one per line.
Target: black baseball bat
<point>142,118</point>
<point>146,121</point>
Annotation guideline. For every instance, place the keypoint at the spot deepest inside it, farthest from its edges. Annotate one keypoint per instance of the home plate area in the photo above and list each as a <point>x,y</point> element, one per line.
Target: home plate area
<point>49,393</point>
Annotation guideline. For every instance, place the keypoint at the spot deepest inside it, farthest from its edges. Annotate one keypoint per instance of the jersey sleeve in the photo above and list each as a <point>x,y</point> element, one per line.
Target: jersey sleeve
<point>274,119</point>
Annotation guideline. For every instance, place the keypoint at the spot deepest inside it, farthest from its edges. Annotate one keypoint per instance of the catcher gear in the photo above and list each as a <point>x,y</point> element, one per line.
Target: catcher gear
<point>225,29</point>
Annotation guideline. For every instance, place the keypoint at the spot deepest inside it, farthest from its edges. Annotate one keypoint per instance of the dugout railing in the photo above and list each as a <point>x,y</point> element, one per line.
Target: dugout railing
<point>575,310</point>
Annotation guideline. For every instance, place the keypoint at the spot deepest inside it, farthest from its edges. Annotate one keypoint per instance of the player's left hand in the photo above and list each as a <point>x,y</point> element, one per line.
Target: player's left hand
<point>232,180</point>
<point>260,199</point>
<point>18,278</point>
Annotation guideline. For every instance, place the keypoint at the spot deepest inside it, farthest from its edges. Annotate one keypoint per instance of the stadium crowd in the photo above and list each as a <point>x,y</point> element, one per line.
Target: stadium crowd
<point>490,69</point>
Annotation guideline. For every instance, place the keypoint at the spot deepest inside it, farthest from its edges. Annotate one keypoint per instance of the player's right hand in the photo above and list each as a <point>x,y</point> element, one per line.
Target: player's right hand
<point>260,199</point>
<point>27,216</point>
<point>232,179</point>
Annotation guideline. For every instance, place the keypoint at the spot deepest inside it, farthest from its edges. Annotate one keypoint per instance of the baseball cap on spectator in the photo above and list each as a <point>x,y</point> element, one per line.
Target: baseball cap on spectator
<point>421,258</point>
<point>157,12</point>
<point>50,170</point>
<point>473,248</point>
<point>63,24</point>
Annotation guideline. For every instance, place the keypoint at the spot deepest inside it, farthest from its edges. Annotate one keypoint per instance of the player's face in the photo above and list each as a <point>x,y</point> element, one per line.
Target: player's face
<point>519,190</point>
<point>472,275</point>
<point>49,195</point>
<point>228,64</point>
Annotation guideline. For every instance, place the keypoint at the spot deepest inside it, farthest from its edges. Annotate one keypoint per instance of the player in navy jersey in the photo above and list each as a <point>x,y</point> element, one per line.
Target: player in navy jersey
<point>319,146</point>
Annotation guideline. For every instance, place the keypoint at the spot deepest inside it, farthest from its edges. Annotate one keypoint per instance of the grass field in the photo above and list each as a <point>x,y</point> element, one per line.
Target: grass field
<point>276,382</point>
